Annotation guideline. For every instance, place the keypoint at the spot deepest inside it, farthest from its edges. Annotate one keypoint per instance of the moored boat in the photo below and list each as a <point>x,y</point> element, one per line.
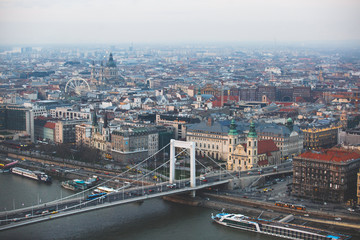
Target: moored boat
<point>274,228</point>
<point>36,175</point>
<point>78,185</point>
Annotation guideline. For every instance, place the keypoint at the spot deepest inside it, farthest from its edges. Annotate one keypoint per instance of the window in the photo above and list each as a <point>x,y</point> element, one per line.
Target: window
<point>249,144</point>
<point>249,152</point>
<point>254,143</point>
<point>254,152</point>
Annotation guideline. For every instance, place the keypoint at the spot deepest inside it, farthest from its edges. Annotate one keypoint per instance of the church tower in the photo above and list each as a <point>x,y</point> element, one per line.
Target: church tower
<point>233,137</point>
<point>252,146</point>
<point>95,124</point>
<point>198,96</point>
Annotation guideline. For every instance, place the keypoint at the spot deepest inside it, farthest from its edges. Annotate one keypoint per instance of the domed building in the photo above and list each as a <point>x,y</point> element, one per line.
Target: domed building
<point>106,73</point>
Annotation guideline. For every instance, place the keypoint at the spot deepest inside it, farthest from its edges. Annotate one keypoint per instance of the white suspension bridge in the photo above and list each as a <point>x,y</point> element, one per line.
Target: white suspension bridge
<point>129,192</point>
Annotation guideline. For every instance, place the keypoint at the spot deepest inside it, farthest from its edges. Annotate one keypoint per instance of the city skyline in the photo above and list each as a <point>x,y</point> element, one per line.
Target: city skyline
<point>159,21</point>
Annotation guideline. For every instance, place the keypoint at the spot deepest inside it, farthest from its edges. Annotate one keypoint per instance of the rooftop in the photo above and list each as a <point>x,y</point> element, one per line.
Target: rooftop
<point>333,155</point>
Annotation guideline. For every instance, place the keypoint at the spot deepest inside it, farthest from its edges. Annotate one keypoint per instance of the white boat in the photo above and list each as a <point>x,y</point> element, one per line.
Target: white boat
<point>36,175</point>
<point>274,228</point>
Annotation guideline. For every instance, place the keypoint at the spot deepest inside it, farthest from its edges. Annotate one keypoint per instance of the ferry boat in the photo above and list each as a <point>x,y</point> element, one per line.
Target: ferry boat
<point>72,185</point>
<point>36,175</point>
<point>78,184</point>
<point>274,228</point>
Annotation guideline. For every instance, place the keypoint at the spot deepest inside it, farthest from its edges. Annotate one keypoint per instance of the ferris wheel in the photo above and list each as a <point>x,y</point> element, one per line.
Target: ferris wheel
<point>77,85</point>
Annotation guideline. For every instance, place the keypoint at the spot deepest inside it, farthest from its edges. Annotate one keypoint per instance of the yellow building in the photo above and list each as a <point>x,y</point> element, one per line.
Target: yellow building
<point>315,138</point>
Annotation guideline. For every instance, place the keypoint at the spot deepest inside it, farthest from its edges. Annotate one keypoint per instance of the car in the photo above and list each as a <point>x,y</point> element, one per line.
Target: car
<point>306,215</point>
<point>338,219</point>
<point>45,212</point>
<point>173,185</point>
<point>28,215</point>
<point>351,210</point>
<point>204,180</point>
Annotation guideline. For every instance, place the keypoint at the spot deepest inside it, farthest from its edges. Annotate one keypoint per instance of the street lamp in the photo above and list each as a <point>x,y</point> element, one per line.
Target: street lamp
<point>6,215</point>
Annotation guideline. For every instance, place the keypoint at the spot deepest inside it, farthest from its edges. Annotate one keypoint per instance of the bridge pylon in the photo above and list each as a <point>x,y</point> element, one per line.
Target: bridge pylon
<point>189,145</point>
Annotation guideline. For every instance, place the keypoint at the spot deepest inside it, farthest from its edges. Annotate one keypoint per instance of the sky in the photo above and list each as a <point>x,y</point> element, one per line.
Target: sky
<point>176,21</point>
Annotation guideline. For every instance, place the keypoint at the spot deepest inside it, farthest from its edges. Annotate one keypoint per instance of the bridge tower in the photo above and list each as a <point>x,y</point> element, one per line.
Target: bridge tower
<point>190,145</point>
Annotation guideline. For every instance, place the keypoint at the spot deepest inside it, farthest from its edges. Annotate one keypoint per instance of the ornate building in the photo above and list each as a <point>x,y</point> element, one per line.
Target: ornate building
<point>105,73</point>
<point>329,175</point>
<point>214,138</point>
<point>325,137</point>
<point>253,153</point>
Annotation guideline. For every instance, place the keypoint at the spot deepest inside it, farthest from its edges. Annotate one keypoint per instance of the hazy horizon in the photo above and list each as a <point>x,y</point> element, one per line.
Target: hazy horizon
<point>39,22</point>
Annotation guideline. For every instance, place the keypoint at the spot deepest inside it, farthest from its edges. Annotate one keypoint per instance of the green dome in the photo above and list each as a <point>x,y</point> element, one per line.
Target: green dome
<point>289,120</point>
<point>233,130</point>
<point>252,132</point>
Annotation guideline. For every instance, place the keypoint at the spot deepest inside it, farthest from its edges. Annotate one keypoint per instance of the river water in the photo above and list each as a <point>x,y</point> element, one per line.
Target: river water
<point>154,219</point>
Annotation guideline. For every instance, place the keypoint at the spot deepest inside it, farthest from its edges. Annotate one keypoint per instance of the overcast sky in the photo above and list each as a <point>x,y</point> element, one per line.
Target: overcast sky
<point>159,21</point>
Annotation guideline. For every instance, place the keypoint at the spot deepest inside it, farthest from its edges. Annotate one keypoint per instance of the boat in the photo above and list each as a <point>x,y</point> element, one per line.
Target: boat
<point>78,185</point>
<point>274,228</point>
<point>72,185</point>
<point>36,175</point>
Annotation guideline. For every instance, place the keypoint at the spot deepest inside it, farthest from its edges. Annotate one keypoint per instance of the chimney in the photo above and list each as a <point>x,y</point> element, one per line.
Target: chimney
<point>209,122</point>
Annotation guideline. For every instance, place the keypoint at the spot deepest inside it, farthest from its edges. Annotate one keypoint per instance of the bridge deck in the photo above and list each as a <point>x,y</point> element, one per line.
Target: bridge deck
<point>99,205</point>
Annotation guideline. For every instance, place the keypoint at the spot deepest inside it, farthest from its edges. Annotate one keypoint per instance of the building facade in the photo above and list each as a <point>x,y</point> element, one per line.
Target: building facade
<point>178,122</point>
<point>315,138</point>
<point>65,130</point>
<point>129,145</point>
<point>328,176</point>
<point>83,133</point>
<point>68,113</point>
<point>288,138</point>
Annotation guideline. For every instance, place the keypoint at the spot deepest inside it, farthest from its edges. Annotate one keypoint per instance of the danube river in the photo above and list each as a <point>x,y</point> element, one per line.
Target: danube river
<point>154,219</point>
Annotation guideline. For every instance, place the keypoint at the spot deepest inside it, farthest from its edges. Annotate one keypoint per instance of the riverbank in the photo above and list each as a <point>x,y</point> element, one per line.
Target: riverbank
<point>253,208</point>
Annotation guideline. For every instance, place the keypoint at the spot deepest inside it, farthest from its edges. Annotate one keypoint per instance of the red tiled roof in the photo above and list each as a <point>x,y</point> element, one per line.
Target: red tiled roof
<point>265,146</point>
<point>334,154</point>
<point>49,125</point>
<point>284,104</point>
